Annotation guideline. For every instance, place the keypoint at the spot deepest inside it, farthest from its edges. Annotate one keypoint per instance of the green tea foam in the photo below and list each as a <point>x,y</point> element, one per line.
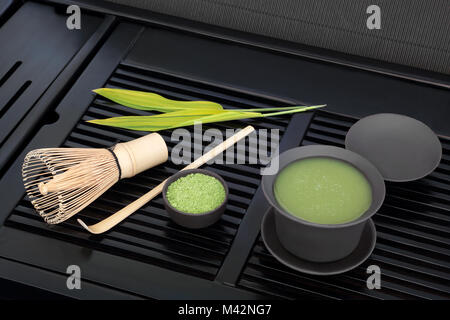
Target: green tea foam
<point>323,190</point>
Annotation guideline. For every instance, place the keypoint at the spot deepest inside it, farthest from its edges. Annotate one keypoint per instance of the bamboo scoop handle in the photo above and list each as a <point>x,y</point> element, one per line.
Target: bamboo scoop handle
<point>122,214</point>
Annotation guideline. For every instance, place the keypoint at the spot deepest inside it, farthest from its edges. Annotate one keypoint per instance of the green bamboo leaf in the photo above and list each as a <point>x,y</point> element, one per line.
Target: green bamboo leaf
<point>185,118</point>
<point>155,122</point>
<point>174,119</point>
<point>302,109</point>
<point>152,101</point>
<point>270,109</point>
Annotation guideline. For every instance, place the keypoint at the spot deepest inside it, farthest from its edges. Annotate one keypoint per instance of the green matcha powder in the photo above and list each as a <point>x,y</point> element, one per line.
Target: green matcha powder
<point>196,193</point>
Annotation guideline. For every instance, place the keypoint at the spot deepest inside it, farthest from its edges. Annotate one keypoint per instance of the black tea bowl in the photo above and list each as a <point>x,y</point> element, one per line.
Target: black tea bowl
<point>323,242</point>
<point>194,220</point>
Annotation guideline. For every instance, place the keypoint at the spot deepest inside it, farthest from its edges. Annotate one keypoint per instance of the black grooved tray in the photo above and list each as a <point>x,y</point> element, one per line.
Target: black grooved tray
<point>149,256</point>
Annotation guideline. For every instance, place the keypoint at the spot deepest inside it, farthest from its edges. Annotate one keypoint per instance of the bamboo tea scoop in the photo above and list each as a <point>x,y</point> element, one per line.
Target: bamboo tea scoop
<point>120,215</point>
<point>61,182</point>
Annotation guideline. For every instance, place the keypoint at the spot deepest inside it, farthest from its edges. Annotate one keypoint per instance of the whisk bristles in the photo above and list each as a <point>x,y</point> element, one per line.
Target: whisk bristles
<point>62,181</point>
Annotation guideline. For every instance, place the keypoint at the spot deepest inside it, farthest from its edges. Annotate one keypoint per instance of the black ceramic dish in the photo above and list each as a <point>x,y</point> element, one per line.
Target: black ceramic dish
<point>194,220</point>
<point>323,242</point>
<point>359,255</point>
<point>402,148</point>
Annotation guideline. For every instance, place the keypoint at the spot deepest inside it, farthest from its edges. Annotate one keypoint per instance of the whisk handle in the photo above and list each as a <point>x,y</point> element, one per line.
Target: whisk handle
<point>138,155</point>
<point>122,214</point>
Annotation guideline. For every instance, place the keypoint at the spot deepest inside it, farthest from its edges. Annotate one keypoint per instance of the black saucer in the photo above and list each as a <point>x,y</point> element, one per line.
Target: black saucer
<point>361,253</point>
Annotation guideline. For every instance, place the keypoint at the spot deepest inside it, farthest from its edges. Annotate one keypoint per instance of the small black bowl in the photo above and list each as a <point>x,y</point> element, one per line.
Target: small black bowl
<point>194,220</point>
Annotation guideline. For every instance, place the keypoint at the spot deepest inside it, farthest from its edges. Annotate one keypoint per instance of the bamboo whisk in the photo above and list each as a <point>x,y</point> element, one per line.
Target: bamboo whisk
<point>60,182</point>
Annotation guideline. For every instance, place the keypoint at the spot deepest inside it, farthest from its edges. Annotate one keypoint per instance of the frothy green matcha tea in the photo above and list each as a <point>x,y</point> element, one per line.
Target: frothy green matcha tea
<point>196,193</point>
<point>323,190</point>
